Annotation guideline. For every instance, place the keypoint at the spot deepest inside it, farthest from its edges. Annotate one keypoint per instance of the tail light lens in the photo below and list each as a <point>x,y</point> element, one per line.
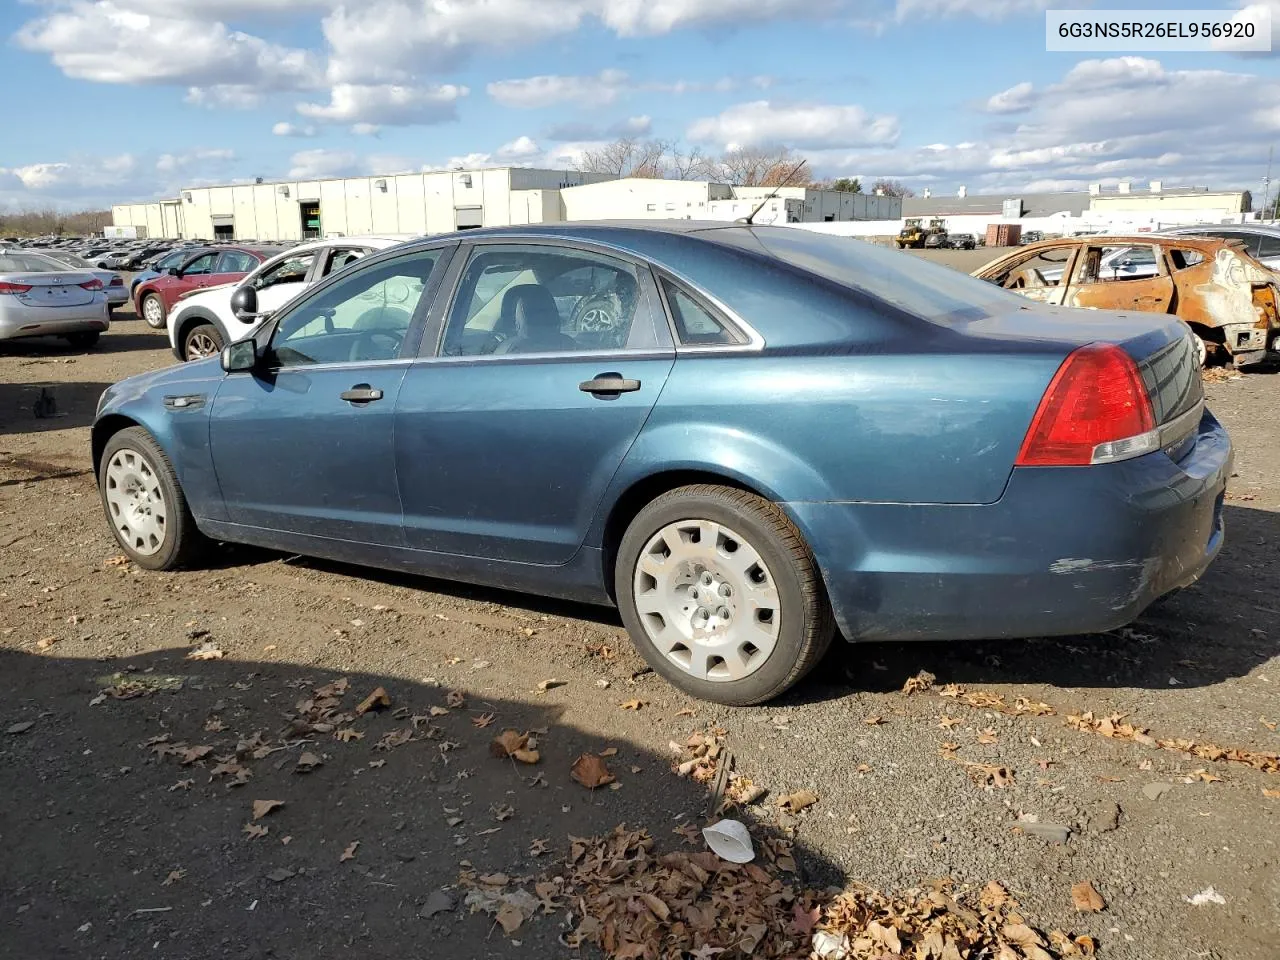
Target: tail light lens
<point>116,282</point>
<point>14,287</point>
<point>1095,410</point>
<point>94,284</point>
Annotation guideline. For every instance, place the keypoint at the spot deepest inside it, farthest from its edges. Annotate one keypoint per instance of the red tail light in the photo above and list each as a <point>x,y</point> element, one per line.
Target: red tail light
<point>1095,410</point>
<point>116,282</point>
<point>94,284</point>
<point>14,287</point>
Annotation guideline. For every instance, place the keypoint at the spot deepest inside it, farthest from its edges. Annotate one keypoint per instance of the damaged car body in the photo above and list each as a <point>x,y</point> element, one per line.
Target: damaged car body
<point>1230,300</point>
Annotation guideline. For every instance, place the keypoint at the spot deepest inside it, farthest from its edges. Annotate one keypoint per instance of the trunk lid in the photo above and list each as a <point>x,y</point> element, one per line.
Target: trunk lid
<point>52,289</point>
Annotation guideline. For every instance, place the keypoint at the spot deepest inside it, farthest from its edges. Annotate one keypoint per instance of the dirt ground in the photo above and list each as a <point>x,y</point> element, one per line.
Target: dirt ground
<point>122,837</point>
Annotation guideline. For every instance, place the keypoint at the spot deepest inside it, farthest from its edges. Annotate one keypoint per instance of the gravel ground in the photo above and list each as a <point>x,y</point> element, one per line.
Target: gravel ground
<point>93,822</point>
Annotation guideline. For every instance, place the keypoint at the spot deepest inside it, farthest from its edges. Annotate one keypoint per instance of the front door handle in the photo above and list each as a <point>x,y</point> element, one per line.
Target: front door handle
<point>608,385</point>
<point>361,393</point>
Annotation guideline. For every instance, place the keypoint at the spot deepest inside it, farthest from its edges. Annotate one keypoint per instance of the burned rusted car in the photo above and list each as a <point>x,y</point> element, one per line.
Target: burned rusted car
<point>1228,298</point>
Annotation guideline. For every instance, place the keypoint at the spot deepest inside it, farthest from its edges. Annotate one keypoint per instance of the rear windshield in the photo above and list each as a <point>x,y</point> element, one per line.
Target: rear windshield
<point>909,282</point>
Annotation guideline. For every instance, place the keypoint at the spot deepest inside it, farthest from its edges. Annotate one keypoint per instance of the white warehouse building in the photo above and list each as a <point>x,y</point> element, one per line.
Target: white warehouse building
<point>443,201</point>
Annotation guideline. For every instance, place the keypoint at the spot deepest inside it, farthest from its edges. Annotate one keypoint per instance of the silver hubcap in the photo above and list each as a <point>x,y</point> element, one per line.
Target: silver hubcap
<point>135,502</point>
<point>201,345</point>
<point>707,601</point>
<point>151,311</point>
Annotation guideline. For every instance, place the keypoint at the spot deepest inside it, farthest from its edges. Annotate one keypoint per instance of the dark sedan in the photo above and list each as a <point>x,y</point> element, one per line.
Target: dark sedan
<point>748,438</point>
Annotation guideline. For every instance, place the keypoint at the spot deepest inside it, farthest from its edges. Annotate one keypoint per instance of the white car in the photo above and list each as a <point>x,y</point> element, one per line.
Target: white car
<point>201,322</point>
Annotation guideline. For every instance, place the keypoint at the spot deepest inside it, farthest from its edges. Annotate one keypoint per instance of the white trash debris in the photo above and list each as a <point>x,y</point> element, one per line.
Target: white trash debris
<point>729,840</point>
<point>1206,896</point>
<point>830,946</point>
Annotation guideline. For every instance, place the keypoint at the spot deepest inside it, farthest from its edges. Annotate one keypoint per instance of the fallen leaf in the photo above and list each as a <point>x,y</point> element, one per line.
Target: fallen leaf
<point>206,651</point>
<point>1269,724</point>
<point>1205,776</point>
<point>948,723</point>
<point>439,711</point>
<point>551,684</point>
<point>590,771</point>
<point>182,785</point>
<point>1085,898</point>
<point>375,764</point>
<point>482,720</point>
<point>374,701</point>
<point>987,736</point>
<point>262,807</point>
<point>254,830</point>
<point>920,682</point>
<point>538,847</point>
<point>331,690</point>
<point>307,762</point>
<point>173,877</point>
<point>795,802</point>
<point>609,752</point>
<point>456,698</point>
<point>509,918</point>
<point>214,725</point>
<point>44,643</point>
<point>494,879</point>
<point>873,721</point>
<point>347,734</point>
<point>803,921</point>
<point>994,895</point>
<point>503,811</point>
<point>633,704</point>
<point>508,742</point>
<point>1270,793</point>
<point>191,754</point>
<point>350,852</point>
<point>863,768</point>
<point>687,712</point>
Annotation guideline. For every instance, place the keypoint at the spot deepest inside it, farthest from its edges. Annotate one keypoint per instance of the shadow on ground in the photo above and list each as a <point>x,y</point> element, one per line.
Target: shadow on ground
<point>94,822</point>
<point>39,405</point>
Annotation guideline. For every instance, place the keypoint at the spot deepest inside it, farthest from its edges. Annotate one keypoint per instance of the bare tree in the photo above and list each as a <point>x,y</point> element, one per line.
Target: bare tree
<point>892,188</point>
<point>40,223</point>
<point>692,164</point>
<point>627,157</point>
<point>757,167</point>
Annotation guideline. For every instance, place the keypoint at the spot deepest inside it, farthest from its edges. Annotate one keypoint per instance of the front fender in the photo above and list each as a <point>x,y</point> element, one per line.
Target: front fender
<point>182,431</point>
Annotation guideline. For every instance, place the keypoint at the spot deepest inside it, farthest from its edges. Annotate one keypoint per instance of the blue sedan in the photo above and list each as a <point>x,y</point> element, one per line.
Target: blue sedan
<point>747,438</point>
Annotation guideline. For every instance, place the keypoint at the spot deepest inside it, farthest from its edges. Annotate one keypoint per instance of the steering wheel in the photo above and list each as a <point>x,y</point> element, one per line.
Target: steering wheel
<point>375,345</point>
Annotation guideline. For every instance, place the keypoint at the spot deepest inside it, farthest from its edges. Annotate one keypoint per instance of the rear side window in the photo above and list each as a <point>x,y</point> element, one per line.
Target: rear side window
<point>234,261</point>
<point>696,324</point>
<point>1268,246</point>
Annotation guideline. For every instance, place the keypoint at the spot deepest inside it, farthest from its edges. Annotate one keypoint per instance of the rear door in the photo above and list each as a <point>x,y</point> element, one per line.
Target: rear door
<point>1038,275</point>
<point>232,265</point>
<point>507,435</point>
<point>1113,277</point>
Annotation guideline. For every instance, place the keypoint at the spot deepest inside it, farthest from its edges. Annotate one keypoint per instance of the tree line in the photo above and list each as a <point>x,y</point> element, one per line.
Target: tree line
<point>43,223</point>
<point>742,166</point>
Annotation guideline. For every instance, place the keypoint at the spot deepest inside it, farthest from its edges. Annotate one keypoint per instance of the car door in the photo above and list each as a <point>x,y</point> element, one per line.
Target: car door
<point>1039,274</point>
<point>303,445</point>
<point>550,361</point>
<point>282,279</point>
<point>232,265</point>
<point>191,275</point>
<point>1099,279</point>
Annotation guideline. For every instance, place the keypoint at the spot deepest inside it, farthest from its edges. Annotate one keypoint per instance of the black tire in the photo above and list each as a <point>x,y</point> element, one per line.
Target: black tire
<point>807,625</point>
<point>194,334</point>
<point>84,339</point>
<point>142,311</point>
<point>183,543</point>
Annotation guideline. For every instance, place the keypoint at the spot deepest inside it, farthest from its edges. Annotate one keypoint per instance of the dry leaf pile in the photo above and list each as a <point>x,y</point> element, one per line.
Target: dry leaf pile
<point>1115,727</point>
<point>636,905</point>
<point>935,925</point>
<point>982,700</point>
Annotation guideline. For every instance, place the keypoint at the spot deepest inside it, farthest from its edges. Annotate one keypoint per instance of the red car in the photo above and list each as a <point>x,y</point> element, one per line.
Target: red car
<point>205,267</point>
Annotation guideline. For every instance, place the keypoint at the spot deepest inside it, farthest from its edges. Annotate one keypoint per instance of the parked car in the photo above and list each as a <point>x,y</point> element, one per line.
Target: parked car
<point>154,298</point>
<point>745,437</point>
<point>1262,242</point>
<point>112,283</point>
<point>202,322</point>
<point>39,298</point>
<point>963,241</point>
<point>1230,300</point>
<point>157,265</point>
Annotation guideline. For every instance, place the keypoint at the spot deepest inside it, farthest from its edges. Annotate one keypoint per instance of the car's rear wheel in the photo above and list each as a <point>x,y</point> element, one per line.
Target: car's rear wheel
<point>201,341</point>
<point>145,507</point>
<point>721,595</point>
<point>153,311</point>
<point>84,339</point>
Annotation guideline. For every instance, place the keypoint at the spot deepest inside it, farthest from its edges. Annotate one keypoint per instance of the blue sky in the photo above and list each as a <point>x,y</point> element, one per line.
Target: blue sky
<point>143,97</point>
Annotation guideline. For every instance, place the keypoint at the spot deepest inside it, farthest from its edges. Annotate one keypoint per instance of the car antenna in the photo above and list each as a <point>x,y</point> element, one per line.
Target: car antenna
<point>785,180</point>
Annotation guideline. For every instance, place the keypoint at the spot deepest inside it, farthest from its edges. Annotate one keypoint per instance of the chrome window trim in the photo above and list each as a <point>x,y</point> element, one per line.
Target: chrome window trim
<point>755,342</point>
<point>662,353</point>
<point>332,365</point>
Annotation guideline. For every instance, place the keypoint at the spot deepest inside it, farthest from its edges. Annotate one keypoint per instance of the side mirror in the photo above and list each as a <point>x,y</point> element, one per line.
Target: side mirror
<point>244,303</point>
<point>174,271</point>
<point>240,356</point>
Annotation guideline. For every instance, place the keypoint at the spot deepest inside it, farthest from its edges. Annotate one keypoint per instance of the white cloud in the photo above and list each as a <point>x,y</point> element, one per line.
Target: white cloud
<point>233,96</point>
<point>194,159</point>
<point>906,10</point>
<point>286,129</point>
<point>366,129</point>
<point>1017,99</point>
<point>544,91</point>
<point>520,148</point>
<point>95,182</point>
<point>389,104</point>
<point>635,126</point>
<point>801,126</point>
<point>318,163</point>
<point>631,18</point>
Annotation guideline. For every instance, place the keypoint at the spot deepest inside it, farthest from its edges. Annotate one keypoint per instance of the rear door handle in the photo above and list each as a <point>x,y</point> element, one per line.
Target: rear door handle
<point>609,384</point>
<point>361,393</point>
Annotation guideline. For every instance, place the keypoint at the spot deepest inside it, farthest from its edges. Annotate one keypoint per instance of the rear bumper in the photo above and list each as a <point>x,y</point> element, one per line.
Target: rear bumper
<point>54,321</point>
<point>1065,550</point>
<point>117,296</point>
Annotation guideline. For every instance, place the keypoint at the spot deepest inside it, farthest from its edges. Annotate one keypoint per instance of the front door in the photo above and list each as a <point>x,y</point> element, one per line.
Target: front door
<point>551,359</point>
<point>304,445</point>
<point>1040,275</point>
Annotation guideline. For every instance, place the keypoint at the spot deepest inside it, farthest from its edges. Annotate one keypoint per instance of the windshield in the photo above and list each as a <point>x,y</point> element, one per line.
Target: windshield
<point>926,289</point>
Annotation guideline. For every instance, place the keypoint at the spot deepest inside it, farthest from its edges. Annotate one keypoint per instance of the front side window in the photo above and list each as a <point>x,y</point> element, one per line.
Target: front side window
<point>200,265</point>
<point>236,261</point>
<point>1043,268</point>
<point>342,257</point>
<point>292,269</point>
<point>363,317</point>
<point>541,299</point>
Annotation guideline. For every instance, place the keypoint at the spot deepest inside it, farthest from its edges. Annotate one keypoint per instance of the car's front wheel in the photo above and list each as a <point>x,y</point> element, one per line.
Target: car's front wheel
<point>153,311</point>
<point>145,507</point>
<point>721,595</point>
<point>202,341</point>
